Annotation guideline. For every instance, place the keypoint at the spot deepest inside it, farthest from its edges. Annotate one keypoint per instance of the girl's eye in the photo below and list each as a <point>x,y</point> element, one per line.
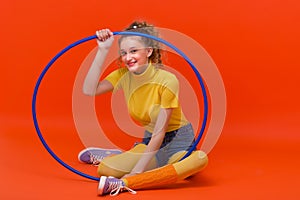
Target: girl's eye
<point>123,53</point>
<point>133,51</point>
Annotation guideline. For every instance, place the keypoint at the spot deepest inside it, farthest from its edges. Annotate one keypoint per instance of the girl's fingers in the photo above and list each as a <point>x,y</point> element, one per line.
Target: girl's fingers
<point>103,34</point>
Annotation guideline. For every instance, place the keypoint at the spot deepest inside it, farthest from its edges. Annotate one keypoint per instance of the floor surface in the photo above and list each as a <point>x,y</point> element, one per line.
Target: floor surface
<point>255,45</point>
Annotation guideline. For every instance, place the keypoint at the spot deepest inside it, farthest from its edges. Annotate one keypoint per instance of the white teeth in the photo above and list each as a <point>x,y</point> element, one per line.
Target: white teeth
<point>131,63</point>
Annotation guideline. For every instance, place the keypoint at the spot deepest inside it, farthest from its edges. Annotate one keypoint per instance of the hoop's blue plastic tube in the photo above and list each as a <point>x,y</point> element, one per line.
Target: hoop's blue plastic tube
<point>34,108</point>
<point>35,120</point>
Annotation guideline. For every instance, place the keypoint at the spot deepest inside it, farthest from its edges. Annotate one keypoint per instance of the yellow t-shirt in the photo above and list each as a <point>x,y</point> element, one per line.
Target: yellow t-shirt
<point>146,93</point>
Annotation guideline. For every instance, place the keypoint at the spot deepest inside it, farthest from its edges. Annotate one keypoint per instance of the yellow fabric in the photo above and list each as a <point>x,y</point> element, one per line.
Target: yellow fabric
<point>121,164</point>
<point>193,164</point>
<point>147,93</point>
<point>170,173</point>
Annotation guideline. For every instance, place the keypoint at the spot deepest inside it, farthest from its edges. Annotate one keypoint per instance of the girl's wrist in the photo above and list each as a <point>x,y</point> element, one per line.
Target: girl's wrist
<point>103,48</point>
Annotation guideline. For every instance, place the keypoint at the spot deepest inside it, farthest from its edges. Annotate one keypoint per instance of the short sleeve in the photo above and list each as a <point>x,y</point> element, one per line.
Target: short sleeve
<point>169,96</point>
<point>115,76</point>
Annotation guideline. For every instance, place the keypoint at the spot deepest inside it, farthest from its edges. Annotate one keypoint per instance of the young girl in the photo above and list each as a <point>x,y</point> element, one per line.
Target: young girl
<point>151,94</point>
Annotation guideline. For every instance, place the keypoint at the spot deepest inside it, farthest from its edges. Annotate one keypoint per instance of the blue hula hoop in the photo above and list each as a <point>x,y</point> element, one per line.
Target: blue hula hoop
<point>204,94</point>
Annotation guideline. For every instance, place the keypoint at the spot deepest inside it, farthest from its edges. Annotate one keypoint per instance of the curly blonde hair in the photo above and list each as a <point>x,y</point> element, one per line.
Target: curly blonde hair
<point>144,27</point>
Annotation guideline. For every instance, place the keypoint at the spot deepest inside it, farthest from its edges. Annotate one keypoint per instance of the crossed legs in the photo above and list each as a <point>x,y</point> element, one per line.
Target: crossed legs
<point>119,165</point>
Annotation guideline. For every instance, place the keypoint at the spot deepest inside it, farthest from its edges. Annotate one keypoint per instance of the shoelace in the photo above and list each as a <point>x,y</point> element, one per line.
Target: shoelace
<point>117,186</point>
<point>96,159</point>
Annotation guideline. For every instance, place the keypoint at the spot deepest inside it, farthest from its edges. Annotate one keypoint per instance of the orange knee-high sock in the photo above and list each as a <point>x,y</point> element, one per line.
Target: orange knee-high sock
<point>170,173</point>
<point>157,177</point>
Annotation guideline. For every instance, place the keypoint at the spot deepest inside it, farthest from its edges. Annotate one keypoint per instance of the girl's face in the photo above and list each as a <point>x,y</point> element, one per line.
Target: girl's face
<point>134,54</point>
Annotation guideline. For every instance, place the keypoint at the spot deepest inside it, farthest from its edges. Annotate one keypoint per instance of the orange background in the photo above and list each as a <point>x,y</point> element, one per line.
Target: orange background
<point>255,45</point>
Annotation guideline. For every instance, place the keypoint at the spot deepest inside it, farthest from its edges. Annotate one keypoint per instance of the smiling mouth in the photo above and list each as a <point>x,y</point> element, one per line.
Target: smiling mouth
<point>130,64</point>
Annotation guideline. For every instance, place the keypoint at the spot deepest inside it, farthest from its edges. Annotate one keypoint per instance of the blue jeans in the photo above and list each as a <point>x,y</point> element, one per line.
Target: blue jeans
<point>174,141</point>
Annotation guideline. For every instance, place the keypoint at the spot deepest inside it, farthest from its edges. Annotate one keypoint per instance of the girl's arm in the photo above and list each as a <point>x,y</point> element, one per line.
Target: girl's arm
<point>155,142</point>
<point>91,85</point>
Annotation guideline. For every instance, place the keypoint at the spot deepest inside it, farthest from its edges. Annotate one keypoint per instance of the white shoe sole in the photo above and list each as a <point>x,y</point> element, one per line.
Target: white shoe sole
<point>101,185</point>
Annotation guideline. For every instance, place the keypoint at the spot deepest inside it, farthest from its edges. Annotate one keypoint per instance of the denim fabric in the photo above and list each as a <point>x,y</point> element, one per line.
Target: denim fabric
<point>179,140</point>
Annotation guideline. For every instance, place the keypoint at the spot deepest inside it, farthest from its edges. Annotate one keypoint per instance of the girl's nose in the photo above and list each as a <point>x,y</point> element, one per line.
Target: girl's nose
<point>128,56</point>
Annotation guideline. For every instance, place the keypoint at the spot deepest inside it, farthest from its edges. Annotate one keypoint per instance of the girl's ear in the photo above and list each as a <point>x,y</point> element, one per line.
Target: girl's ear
<point>150,51</point>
